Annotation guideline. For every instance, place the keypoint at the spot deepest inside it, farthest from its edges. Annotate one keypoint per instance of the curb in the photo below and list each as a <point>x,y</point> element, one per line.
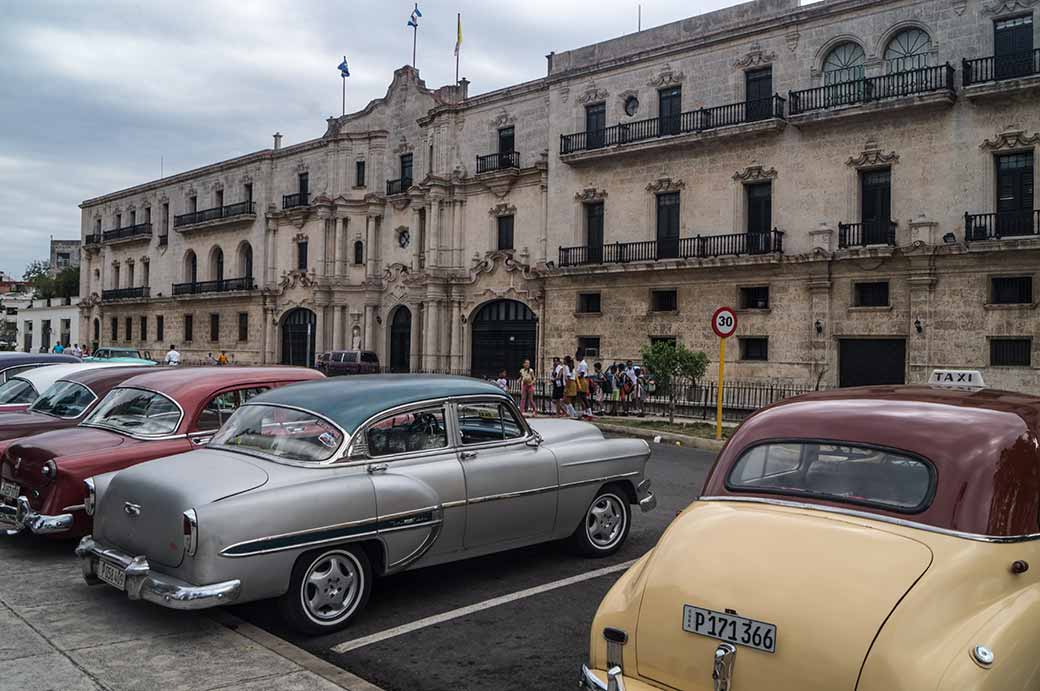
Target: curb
<point>326,670</point>
<point>684,439</point>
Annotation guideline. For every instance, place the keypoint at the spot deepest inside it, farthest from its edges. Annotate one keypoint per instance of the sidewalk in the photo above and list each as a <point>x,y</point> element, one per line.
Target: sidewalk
<point>61,634</point>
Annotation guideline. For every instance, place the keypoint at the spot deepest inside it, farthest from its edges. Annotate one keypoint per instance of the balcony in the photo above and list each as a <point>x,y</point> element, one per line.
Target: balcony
<point>505,160</point>
<point>1002,74</point>
<point>295,201</point>
<point>864,234</point>
<point>92,240</point>
<point>226,285</point>
<point>124,293</point>
<point>762,114</point>
<point>243,211</point>
<point>141,231</point>
<point>700,247</point>
<point>399,186</point>
<point>923,86</point>
<point>1003,224</point>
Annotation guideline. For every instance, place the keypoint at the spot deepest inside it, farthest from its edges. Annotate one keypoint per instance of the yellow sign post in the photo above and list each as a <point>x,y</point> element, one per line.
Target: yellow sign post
<point>723,323</point>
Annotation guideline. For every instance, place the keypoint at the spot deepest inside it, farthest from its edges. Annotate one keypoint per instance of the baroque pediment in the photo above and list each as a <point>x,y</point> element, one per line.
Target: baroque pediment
<point>295,278</point>
<point>754,57</point>
<point>666,77</point>
<point>592,94</point>
<point>872,157</point>
<point>1008,7</point>
<point>754,173</point>
<point>661,185</point>
<point>590,195</point>
<point>1012,139</point>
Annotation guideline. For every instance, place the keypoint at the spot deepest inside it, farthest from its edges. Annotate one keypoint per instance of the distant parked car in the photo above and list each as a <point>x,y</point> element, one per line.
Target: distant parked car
<point>159,413</point>
<point>13,363</point>
<point>129,356</point>
<point>337,362</point>
<point>22,390</point>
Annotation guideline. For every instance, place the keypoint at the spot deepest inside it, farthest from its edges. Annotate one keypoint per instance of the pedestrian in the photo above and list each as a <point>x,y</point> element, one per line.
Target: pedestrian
<point>601,386</point>
<point>173,358</point>
<point>570,386</point>
<point>222,359</point>
<point>59,348</point>
<point>557,385</point>
<point>502,382</point>
<point>628,387</point>
<point>527,389</point>
<point>77,350</point>
<point>639,391</point>
<point>210,360</point>
<point>581,379</point>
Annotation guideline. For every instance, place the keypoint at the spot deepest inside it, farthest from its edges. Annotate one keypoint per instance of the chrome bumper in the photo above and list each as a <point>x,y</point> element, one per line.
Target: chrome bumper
<point>647,500</point>
<point>144,584</point>
<point>15,519</point>
<point>588,680</point>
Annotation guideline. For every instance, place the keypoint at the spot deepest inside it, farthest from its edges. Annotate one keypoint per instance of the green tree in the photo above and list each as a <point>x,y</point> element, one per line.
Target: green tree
<point>673,365</point>
<point>36,268</point>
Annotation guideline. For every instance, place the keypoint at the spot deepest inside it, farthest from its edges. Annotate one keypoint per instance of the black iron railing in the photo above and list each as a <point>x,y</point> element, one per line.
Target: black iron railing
<point>399,186</point>
<point>699,247</point>
<point>1001,67</point>
<point>291,201</point>
<point>92,239</point>
<point>504,160</point>
<point>141,230</point>
<point>869,233</point>
<point>919,81</point>
<point>1003,224</point>
<point>125,293</point>
<point>219,212</point>
<point>684,123</point>
<point>222,286</point>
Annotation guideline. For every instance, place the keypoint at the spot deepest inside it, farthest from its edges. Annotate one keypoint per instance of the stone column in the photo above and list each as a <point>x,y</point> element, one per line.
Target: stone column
<point>429,354</point>
<point>922,281</point>
<point>319,329</point>
<point>270,353</point>
<point>337,327</point>
<point>370,255</point>
<point>460,238</point>
<point>820,342</point>
<point>433,233</point>
<point>343,258</point>
<point>271,252</point>
<point>417,239</point>
<point>368,329</point>
<point>456,335</point>
<point>417,327</point>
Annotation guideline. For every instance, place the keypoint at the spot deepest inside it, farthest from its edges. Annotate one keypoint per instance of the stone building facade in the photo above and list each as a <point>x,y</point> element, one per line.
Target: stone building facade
<point>853,176</point>
<point>64,255</point>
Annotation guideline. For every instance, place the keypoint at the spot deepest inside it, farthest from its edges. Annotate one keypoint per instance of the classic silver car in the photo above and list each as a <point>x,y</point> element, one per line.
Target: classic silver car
<point>311,490</point>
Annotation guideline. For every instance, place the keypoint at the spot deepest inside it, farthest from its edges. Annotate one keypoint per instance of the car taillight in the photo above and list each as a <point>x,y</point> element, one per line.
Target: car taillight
<point>191,532</point>
<point>89,498</point>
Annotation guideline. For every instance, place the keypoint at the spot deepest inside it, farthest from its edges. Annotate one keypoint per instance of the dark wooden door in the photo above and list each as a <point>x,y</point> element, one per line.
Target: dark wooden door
<point>1013,48</point>
<point>871,361</point>
<point>504,335</point>
<point>401,340</point>
<point>298,332</point>
<point>758,90</point>
<point>669,110</point>
<point>668,225</point>
<point>594,231</point>
<point>1015,194</point>
<point>595,125</point>
<point>876,206</point>
<point>760,216</point>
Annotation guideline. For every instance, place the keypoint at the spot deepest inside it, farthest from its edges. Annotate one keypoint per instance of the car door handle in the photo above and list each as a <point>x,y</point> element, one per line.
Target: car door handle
<point>377,468</point>
<point>201,441</point>
<point>466,455</point>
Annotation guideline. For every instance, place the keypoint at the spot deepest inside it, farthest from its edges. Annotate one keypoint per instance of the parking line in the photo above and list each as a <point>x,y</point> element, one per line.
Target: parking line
<point>347,646</point>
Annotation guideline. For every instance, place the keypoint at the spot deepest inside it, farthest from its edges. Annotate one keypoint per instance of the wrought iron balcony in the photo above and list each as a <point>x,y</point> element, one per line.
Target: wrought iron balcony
<point>907,83</point>
<point>92,239</point>
<point>504,160</point>
<point>222,286</point>
<point>125,293</point>
<point>700,247</point>
<point>1002,224</point>
<point>135,232</point>
<point>1000,68</point>
<point>292,201</point>
<point>869,233</point>
<point>398,186</point>
<point>684,123</point>
<point>232,211</point>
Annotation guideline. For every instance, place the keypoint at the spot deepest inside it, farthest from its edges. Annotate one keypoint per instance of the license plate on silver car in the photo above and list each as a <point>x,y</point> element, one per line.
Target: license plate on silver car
<point>730,628</point>
<point>111,574</point>
<point>9,490</point>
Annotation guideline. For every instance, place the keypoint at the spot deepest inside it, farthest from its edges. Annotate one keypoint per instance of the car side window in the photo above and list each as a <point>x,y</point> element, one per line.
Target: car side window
<point>769,460</point>
<point>480,423</point>
<point>418,430</point>
<point>221,406</point>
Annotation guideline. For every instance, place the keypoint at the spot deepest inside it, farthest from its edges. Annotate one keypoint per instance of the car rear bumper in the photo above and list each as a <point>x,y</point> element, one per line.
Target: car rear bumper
<point>647,500</point>
<point>142,583</point>
<point>614,680</point>
<point>15,519</point>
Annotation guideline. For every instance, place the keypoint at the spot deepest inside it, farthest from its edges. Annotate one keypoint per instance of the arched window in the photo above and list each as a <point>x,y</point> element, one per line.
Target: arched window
<point>191,267</point>
<point>245,260</point>
<point>910,49</point>
<point>97,330</point>
<point>216,264</point>
<point>844,63</point>
<point>359,252</point>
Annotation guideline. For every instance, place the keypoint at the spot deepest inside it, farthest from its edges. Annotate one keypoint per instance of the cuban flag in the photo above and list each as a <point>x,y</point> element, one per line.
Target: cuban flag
<point>343,69</point>
<point>413,21</point>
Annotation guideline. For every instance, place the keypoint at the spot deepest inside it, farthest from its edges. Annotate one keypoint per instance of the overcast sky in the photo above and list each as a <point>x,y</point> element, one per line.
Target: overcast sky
<point>94,94</point>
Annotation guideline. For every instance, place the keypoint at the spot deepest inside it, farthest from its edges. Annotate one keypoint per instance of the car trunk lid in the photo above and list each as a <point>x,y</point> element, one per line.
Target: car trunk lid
<point>142,510</point>
<point>28,455</point>
<point>827,583</point>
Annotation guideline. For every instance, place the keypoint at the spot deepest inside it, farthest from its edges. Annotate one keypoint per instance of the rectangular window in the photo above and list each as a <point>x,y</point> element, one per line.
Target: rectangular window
<point>218,199</point>
<point>143,334</point>
<point>1010,352</point>
<point>114,325</point>
<point>193,204</point>
<point>247,191</point>
<point>873,294</point>
<point>669,108</point>
<point>301,255</point>
<point>875,206</point>
<point>505,232</point>
<point>595,124</point>
<point>754,298</point>
<point>359,173</point>
<point>668,225</point>
<point>506,140</point>
<point>588,303</point>
<point>1013,47</point>
<point>759,215</point>
<point>97,227</point>
<point>133,219</point>
<point>147,214</point>
<point>160,328</point>
<point>406,168</point>
<point>129,329</point>
<point>146,273</point>
<point>166,216</point>
<point>589,344</point>
<point>1015,194</point>
<point>214,327</point>
<point>243,326</point>
<point>303,184</point>
<point>758,92</point>
<point>664,300</point>
<point>189,328</point>
<point>754,348</point>
<point>1011,290</point>
<point>594,232</point>
<point>119,220</point>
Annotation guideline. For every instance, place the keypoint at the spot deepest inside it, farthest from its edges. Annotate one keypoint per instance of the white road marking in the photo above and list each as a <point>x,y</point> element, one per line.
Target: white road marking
<point>347,646</point>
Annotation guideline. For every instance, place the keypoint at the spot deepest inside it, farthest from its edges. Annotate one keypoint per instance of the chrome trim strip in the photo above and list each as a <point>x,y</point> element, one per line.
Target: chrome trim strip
<point>997,539</point>
<point>608,478</point>
<point>512,495</point>
<point>598,460</point>
<point>75,507</point>
<point>400,564</point>
<point>453,504</point>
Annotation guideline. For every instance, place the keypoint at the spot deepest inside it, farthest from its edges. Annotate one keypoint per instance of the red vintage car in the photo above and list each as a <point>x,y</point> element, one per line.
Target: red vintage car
<point>151,415</point>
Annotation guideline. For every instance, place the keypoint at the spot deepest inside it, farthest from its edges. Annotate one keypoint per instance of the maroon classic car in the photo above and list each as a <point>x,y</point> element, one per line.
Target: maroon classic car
<point>155,414</point>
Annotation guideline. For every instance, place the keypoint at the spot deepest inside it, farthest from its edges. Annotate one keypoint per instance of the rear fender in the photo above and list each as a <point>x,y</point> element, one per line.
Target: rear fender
<point>590,464</point>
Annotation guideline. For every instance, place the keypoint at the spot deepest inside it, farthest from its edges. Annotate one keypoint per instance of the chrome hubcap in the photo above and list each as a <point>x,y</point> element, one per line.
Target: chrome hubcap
<point>605,521</point>
<point>331,586</point>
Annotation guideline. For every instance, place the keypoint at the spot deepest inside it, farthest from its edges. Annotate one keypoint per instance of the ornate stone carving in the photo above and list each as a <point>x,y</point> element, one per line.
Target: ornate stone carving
<point>403,147</point>
<point>754,57</point>
<point>589,195</point>
<point>959,6</point>
<point>872,157</point>
<point>302,279</point>
<point>1012,139</point>
<point>502,210</point>
<point>503,120</point>
<point>792,40</point>
<point>302,167</point>
<point>666,77</point>
<point>565,94</point>
<point>665,185</point>
<point>246,179</point>
<point>592,94</point>
<point>299,237</point>
<point>163,199</point>
<point>487,263</point>
<point>754,174</point>
<point>1008,7</point>
<point>216,186</point>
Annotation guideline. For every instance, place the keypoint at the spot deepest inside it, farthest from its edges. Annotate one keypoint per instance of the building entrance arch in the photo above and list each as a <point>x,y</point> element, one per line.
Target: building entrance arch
<point>299,329</point>
<point>505,333</point>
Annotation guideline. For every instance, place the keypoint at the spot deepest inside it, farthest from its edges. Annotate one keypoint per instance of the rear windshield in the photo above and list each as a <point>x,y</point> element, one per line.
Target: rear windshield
<point>137,412</point>
<point>294,435</point>
<point>64,399</point>
<point>15,391</point>
<point>837,472</point>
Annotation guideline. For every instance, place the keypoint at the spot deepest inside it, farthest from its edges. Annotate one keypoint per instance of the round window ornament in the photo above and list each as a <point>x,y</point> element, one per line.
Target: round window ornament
<point>403,237</point>
<point>631,106</point>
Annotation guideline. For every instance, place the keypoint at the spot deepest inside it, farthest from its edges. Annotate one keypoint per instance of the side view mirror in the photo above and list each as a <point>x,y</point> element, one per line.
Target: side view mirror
<point>535,440</point>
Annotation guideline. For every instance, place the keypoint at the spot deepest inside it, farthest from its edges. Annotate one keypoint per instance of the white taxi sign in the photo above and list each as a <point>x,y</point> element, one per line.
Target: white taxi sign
<point>957,379</point>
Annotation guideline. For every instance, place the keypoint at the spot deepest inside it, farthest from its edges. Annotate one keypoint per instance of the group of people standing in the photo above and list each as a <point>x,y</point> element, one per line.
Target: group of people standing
<point>74,349</point>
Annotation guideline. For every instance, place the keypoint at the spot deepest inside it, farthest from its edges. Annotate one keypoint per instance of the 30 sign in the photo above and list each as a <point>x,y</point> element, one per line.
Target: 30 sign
<point>724,322</point>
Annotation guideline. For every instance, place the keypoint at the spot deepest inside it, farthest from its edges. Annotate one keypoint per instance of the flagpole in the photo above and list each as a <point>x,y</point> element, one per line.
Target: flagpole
<point>457,48</point>
<point>415,36</point>
<point>344,77</point>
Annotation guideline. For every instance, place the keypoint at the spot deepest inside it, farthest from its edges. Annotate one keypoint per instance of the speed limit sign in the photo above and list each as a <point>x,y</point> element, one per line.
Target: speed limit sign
<point>724,322</point>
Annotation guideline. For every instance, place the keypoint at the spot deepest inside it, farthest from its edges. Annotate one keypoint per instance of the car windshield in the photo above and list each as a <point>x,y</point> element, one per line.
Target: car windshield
<point>837,472</point>
<point>294,435</point>
<point>64,399</point>
<point>17,390</point>
<point>137,412</point>
<point>109,354</point>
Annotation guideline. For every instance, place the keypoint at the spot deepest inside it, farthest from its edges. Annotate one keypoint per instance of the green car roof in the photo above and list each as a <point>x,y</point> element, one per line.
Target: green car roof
<point>349,401</point>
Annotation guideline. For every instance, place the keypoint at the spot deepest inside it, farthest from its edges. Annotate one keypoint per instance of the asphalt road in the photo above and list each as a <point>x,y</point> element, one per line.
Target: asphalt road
<point>537,641</point>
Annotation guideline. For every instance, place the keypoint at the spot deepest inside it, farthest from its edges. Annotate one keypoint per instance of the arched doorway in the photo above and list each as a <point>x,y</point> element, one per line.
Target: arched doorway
<point>298,333</point>
<point>401,340</point>
<point>504,335</point>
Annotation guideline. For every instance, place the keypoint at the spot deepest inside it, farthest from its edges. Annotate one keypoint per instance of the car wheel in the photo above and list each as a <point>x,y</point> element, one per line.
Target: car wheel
<point>605,525</point>
<point>327,589</point>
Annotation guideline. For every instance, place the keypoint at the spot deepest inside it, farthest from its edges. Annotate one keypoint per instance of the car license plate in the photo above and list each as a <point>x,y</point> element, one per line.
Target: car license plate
<point>111,574</point>
<point>730,628</point>
<point>9,490</point>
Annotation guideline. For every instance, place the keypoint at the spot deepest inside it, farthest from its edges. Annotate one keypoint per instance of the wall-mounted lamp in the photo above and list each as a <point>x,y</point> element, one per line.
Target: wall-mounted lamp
<point>819,327</point>
<point>918,326</point>
<point>949,238</point>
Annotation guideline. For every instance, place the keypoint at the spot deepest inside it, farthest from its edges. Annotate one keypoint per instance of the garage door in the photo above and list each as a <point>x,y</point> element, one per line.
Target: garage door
<point>867,361</point>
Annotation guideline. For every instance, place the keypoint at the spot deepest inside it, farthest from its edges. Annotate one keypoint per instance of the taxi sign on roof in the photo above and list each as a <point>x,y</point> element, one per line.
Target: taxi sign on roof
<point>957,379</point>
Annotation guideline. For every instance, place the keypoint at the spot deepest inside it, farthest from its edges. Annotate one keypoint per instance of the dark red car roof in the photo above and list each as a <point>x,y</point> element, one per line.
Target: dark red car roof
<point>183,383</point>
<point>983,444</point>
<point>101,379</point>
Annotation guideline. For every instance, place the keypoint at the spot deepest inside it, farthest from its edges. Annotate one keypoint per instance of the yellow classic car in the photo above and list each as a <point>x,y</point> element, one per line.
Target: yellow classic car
<point>876,539</point>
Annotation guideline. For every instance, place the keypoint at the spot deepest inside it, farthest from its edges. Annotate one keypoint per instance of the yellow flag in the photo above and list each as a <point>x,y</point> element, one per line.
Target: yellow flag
<point>458,40</point>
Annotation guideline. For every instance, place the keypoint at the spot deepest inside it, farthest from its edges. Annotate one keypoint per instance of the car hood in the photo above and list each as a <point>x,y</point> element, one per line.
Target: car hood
<point>163,490</point>
<point>827,583</point>
<point>557,430</point>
